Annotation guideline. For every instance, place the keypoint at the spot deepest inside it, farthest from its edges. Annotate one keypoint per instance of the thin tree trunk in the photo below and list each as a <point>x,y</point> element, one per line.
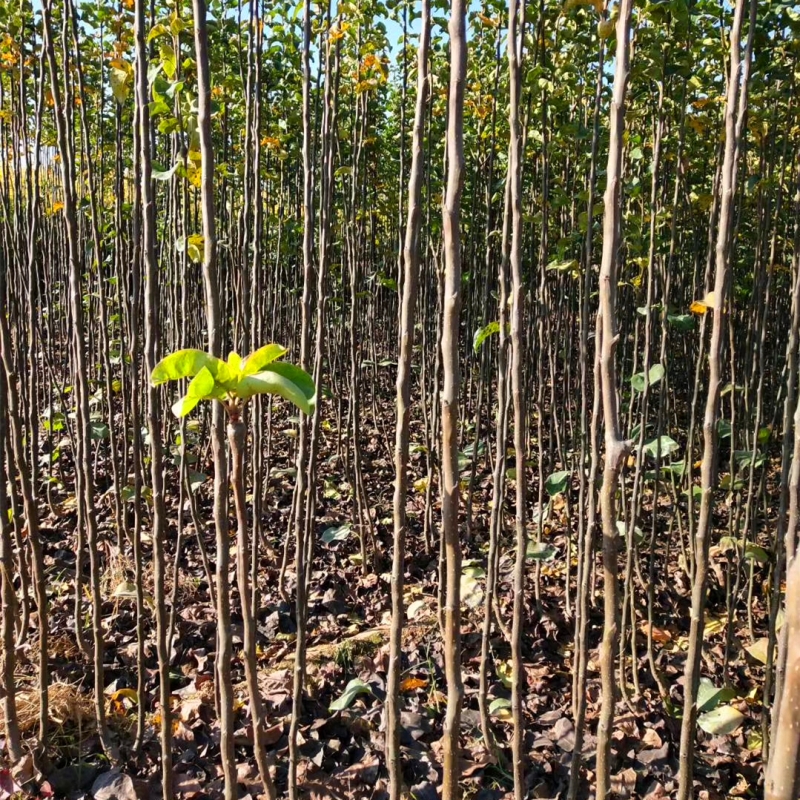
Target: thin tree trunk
<point>708,468</point>
<point>451,387</point>
<point>616,448</point>
<point>411,261</point>
<point>214,326</point>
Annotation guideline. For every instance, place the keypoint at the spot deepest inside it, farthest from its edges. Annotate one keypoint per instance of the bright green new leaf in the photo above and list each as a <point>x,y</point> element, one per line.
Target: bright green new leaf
<point>180,364</point>
<point>202,385</point>
<point>234,362</point>
<point>185,405</point>
<point>353,689</point>
<point>285,380</point>
<point>482,334</point>
<point>259,359</point>
<point>235,379</point>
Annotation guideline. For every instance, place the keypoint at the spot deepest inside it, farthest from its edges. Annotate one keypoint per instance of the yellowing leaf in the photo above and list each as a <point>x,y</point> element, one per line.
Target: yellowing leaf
<point>605,29</point>
<point>194,247</point>
<point>125,589</point>
<point>121,79</point>
<point>500,708</point>
<point>755,741</point>
<point>338,31</point>
<point>701,306</point>
<point>759,650</point>
<point>713,626</point>
<point>504,673</point>
<point>126,694</point>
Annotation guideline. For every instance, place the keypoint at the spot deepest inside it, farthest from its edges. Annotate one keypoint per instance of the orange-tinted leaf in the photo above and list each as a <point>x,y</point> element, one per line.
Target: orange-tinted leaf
<point>660,635</point>
<point>412,684</point>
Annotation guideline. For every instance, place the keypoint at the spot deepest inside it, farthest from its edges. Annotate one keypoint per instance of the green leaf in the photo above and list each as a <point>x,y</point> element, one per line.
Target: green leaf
<point>261,358</point>
<point>482,334</point>
<point>709,696</point>
<point>234,362</point>
<point>665,444</point>
<point>168,61</point>
<point>540,551</point>
<point>156,31</point>
<point>500,707</point>
<point>99,431</point>
<point>185,405</point>
<point>752,552</point>
<point>183,364</point>
<point>124,589</point>
<point>654,375</point>
<point>681,322</point>
<point>622,530</point>
<point>285,380</point>
<point>353,689</point>
<point>562,266</point>
<point>165,175</point>
<point>744,458</point>
<point>387,283</point>
<point>557,482</point>
<point>722,721</point>
<point>196,480</point>
<point>337,533</point>
<point>202,385</point>
<point>677,468</point>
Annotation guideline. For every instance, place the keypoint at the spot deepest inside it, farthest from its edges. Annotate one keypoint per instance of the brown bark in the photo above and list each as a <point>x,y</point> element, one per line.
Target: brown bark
<point>411,260</point>
<point>734,110</point>
<point>616,448</point>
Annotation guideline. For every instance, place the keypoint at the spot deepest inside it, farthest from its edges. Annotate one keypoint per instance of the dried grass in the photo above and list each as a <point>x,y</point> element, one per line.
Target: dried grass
<point>67,706</point>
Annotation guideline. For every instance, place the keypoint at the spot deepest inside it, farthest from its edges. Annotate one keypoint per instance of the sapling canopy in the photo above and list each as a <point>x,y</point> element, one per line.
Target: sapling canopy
<point>235,381</point>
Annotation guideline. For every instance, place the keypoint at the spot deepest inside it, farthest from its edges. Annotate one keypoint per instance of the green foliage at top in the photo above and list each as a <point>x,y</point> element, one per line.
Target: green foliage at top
<point>236,380</point>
